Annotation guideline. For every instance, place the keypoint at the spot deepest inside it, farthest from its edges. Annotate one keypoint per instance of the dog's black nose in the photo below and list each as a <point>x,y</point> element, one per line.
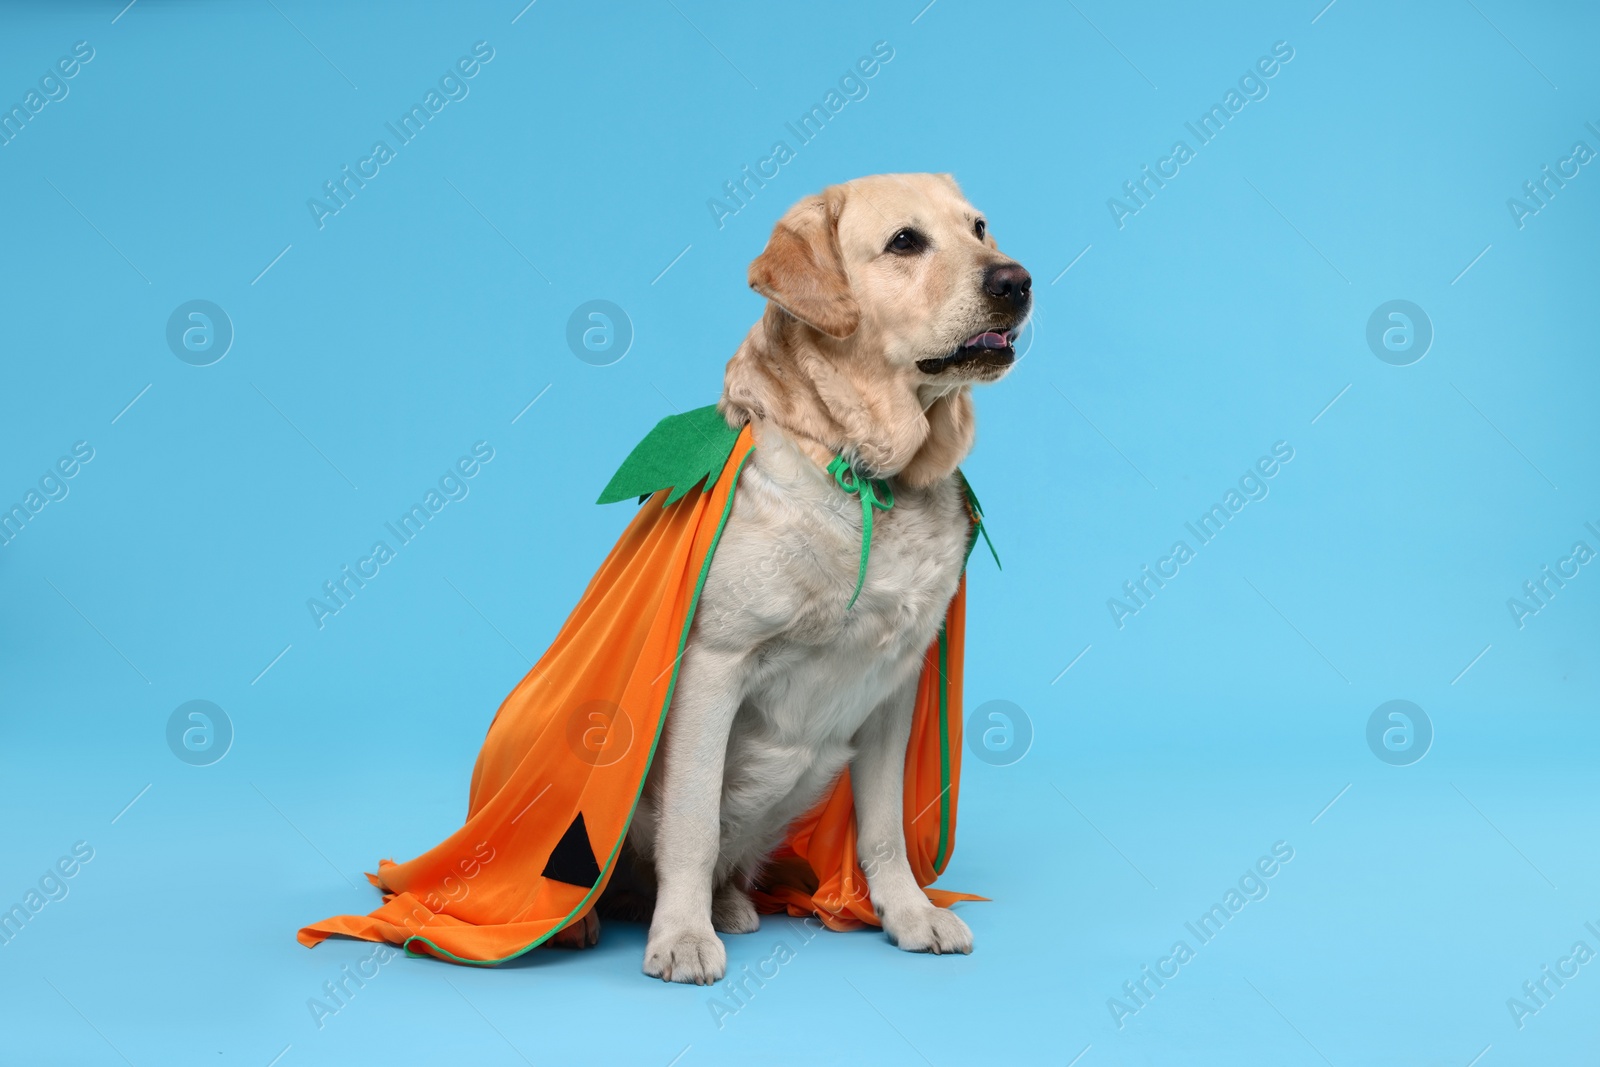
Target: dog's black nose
<point>1009,281</point>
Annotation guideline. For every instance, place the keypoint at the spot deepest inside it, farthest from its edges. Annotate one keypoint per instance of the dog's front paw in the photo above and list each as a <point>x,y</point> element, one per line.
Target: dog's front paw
<point>928,929</point>
<point>683,954</point>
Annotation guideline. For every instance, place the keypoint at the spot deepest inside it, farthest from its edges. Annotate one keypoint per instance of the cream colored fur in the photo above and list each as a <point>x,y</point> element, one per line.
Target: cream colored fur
<point>780,687</point>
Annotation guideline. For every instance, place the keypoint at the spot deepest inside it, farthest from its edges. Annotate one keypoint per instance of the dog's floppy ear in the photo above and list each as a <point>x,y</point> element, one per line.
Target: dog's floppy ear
<point>802,271</point>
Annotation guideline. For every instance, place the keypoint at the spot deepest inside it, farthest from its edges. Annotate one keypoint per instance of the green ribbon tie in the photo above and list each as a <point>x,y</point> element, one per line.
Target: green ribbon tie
<point>874,493</point>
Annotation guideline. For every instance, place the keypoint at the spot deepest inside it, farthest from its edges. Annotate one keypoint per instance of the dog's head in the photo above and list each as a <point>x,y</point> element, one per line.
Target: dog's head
<point>888,300</point>
<point>902,269</point>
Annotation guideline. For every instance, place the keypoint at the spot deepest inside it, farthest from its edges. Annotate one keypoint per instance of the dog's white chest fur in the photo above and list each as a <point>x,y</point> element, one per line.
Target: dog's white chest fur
<point>811,673</point>
<point>887,301</point>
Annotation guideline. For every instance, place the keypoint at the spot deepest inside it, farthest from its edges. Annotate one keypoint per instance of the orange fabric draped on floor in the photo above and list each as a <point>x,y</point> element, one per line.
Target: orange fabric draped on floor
<point>565,759</point>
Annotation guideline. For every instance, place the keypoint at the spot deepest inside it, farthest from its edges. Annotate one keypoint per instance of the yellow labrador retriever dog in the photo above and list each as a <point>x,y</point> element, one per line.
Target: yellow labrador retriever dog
<point>888,300</point>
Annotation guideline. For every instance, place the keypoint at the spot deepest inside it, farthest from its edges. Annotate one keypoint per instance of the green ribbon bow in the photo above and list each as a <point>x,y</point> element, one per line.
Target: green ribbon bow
<point>874,493</point>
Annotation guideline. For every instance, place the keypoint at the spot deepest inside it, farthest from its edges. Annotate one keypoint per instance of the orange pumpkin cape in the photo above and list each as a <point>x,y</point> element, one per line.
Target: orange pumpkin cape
<point>562,768</point>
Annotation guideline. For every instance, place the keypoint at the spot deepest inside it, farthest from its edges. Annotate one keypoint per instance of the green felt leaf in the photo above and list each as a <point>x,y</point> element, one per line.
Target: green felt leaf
<point>678,455</point>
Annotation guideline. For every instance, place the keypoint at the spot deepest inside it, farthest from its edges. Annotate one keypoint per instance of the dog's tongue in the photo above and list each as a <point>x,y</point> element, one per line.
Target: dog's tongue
<point>988,340</point>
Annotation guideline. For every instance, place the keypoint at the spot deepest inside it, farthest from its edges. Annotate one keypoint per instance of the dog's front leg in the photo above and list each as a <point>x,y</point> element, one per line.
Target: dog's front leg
<point>682,946</point>
<point>877,776</point>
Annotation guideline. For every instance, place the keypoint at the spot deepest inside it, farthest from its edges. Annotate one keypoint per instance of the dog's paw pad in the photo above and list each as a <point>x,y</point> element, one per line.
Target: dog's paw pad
<point>929,929</point>
<point>695,957</point>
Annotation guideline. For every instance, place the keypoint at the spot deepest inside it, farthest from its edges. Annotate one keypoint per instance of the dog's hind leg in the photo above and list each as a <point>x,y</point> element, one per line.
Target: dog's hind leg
<point>732,912</point>
<point>630,895</point>
<point>585,933</point>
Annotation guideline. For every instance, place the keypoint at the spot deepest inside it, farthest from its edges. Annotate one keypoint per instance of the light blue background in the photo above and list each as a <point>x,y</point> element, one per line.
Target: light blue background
<point>426,315</point>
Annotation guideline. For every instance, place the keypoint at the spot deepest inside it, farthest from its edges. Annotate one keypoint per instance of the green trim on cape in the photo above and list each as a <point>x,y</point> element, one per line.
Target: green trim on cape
<point>655,742</point>
<point>684,450</point>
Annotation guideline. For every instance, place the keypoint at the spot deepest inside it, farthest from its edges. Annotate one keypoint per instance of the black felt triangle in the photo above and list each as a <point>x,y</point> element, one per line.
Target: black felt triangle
<point>573,860</point>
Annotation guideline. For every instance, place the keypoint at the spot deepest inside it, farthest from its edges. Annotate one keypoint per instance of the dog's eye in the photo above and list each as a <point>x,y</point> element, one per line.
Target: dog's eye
<point>907,242</point>
<point>980,228</point>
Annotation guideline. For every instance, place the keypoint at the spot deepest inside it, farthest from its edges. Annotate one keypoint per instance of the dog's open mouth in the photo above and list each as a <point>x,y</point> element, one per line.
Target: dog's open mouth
<point>990,348</point>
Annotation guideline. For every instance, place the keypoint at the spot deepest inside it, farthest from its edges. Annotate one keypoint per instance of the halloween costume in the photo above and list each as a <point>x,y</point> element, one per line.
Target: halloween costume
<point>565,759</point>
